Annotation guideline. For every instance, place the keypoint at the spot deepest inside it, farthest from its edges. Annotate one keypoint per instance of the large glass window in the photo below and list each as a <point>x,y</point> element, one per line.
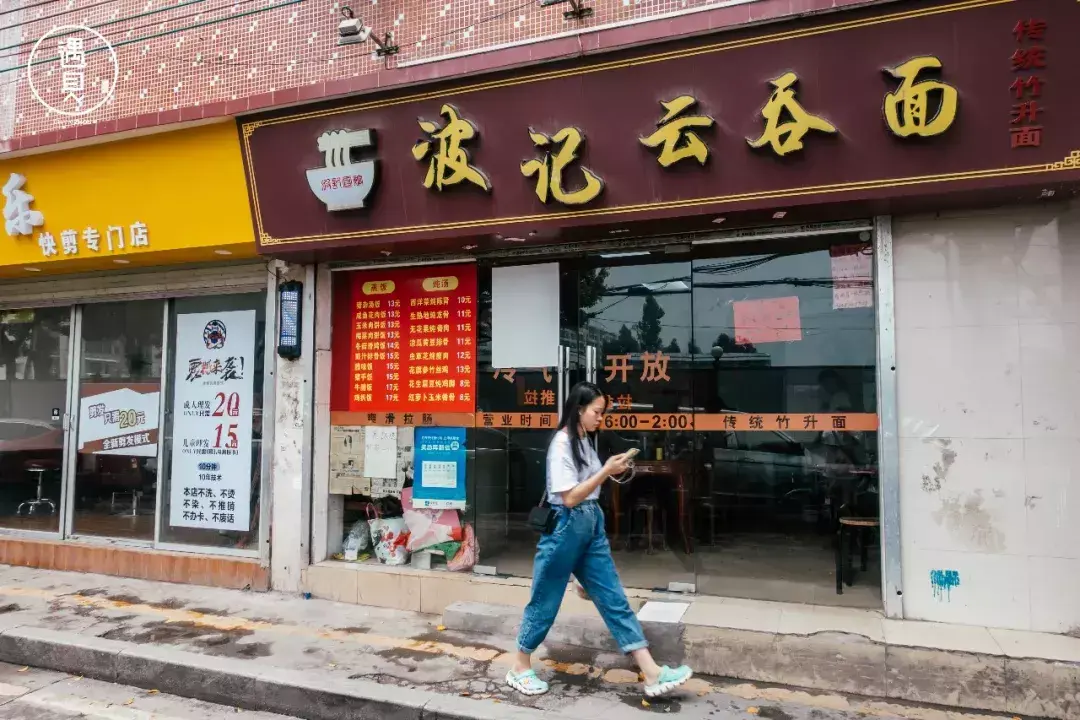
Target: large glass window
<point>175,401</point>
<point>743,373</point>
<point>785,387</point>
<point>115,484</point>
<point>33,392</point>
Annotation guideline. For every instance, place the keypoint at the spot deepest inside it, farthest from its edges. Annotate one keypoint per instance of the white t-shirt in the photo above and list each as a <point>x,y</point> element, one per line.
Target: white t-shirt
<point>561,473</point>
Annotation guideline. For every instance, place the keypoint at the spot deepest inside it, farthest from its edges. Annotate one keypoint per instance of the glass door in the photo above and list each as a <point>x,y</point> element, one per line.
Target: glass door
<point>634,329</point>
<point>34,361</point>
<point>120,370</point>
<point>517,411</point>
<point>625,327</point>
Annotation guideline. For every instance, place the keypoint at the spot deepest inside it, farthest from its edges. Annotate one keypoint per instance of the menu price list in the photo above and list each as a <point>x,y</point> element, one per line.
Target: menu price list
<point>414,340</point>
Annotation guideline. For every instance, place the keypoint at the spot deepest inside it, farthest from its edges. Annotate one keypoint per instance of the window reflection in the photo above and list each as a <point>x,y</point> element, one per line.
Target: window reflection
<point>791,359</point>
<point>747,384</point>
<point>33,385</point>
<point>119,396</point>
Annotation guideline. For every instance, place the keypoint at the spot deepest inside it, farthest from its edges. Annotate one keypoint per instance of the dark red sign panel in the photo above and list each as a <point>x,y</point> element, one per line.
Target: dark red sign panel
<point>902,99</point>
<point>411,345</point>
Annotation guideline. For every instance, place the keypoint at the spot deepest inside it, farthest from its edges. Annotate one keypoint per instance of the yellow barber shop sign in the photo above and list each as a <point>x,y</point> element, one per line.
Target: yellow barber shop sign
<point>177,197</point>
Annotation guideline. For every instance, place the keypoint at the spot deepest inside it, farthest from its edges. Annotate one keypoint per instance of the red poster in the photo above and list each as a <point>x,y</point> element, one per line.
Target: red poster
<point>766,321</point>
<point>413,340</point>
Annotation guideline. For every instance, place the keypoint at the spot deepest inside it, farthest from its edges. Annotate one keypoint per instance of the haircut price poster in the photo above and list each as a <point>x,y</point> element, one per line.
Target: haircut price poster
<point>213,394</point>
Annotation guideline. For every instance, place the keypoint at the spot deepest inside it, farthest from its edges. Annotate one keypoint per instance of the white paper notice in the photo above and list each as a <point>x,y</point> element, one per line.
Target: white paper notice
<point>380,452</point>
<point>214,380</point>
<point>852,272</point>
<point>347,461</point>
<point>525,316</point>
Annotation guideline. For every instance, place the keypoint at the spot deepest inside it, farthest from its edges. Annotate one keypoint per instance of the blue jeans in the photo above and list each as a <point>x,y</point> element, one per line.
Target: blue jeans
<point>578,546</point>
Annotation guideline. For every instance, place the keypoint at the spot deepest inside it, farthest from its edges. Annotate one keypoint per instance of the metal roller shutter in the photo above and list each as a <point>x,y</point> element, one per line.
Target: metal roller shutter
<point>182,281</point>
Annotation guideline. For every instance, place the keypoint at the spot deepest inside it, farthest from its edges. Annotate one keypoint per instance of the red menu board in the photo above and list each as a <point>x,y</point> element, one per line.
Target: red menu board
<point>413,344</point>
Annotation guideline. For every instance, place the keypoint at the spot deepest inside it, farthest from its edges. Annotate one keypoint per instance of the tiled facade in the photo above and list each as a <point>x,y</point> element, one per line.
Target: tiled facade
<point>987,339</point>
<point>187,60</point>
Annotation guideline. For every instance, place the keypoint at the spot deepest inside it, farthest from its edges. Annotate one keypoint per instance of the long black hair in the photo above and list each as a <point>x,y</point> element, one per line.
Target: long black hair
<point>580,397</point>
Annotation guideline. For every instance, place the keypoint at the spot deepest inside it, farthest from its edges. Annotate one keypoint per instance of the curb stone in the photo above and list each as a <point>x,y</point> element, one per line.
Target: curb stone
<point>240,683</point>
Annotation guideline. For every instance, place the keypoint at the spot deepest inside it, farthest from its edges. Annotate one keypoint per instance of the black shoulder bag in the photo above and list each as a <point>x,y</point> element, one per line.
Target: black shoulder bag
<point>542,518</point>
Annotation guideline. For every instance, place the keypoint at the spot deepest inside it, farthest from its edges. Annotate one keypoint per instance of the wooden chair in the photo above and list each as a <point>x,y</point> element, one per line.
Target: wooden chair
<point>648,506</point>
<point>863,528</point>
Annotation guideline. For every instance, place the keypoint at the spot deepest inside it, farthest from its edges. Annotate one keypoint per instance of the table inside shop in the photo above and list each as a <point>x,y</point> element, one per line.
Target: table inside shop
<point>674,469</point>
<point>843,478</point>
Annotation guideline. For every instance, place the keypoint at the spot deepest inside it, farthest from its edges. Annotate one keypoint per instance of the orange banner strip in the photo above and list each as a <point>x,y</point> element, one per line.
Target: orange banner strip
<point>403,419</point>
<point>786,422</point>
<point>625,422</point>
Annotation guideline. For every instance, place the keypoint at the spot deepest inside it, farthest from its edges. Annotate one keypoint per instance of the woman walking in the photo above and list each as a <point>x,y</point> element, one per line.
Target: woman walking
<point>578,546</point>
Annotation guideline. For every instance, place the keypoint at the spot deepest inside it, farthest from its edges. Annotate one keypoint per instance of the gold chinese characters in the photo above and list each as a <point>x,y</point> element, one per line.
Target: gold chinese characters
<point>673,135</point>
<point>549,169</point>
<point>786,121</point>
<point>917,106</point>
<point>449,164</point>
<point>907,110</point>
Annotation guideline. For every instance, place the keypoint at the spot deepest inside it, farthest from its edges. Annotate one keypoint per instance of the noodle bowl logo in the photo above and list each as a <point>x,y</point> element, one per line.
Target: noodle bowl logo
<point>72,70</point>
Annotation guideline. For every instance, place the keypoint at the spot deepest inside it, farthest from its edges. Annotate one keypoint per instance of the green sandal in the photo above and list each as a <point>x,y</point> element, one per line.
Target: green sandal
<point>526,683</point>
<point>669,680</point>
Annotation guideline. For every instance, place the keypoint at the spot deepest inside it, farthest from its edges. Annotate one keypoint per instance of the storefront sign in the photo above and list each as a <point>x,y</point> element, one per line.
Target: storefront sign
<point>1029,62</point>
<point>440,469</point>
<point>902,99</point>
<point>119,419</point>
<point>21,219</point>
<point>213,398</point>
<point>412,345</point>
<point>341,183</point>
<point>102,206</point>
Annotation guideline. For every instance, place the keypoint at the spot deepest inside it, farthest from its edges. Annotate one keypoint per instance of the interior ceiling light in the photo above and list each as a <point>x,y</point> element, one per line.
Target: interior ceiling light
<point>779,215</point>
<point>629,253</point>
<point>719,220</point>
<point>32,269</point>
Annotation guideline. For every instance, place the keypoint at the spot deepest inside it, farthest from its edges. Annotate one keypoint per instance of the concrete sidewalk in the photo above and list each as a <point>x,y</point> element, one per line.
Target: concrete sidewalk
<point>834,649</point>
<point>319,659</point>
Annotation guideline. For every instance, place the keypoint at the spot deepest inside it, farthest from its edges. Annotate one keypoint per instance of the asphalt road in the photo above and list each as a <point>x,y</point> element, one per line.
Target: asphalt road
<point>31,694</point>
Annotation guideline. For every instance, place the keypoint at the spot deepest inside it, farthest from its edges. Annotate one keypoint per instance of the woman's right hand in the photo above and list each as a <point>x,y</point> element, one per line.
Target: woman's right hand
<point>616,465</point>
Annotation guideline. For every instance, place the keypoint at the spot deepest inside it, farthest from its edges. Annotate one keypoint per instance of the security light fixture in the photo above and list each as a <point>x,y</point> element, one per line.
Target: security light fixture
<point>352,31</point>
<point>577,10</point>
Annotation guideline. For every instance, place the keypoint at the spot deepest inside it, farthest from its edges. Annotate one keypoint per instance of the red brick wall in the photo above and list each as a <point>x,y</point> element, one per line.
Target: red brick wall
<point>290,54</point>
